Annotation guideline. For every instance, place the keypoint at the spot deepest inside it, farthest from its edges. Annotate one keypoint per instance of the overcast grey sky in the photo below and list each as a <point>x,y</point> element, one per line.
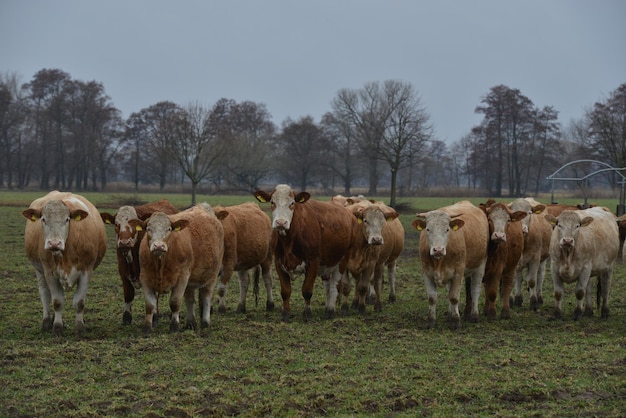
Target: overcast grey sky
<point>294,56</point>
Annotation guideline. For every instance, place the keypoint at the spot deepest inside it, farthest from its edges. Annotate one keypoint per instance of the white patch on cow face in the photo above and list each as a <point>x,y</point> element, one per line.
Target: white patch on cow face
<point>126,235</point>
<point>567,227</point>
<point>283,204</point>
<point>437,231</point>
<point>55,220</point>
<point>498,218</point>
<point>373,222</point>
<point>524,206</point>
<point>158,230</point>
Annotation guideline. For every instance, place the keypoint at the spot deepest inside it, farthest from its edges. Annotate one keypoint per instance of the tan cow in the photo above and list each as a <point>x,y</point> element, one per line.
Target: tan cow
<point>65,241</point>
<point>127,246</point>
<point>369,253</point>
<point>181,253</point>
<point>537,232</point>
<point>584,243</point>
<point>310,237</point>
<point>247,235</point>
<point>453,245</point>
<point>506,243</point>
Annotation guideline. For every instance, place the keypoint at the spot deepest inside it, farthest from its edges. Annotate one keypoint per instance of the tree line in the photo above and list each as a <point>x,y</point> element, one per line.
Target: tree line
<point>58,132</point>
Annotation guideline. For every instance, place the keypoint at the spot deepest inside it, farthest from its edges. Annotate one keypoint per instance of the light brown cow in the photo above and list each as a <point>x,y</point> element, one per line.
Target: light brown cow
<point>127,246</point>
<point>506,243</point>
<point>368,254</point>
<point>453,245</point>
<point>584,243</point>
<point>181,253</point>
<point>537,232</point>
<point>65,241</point>
<point>247,235</point>
<point>309,237</point>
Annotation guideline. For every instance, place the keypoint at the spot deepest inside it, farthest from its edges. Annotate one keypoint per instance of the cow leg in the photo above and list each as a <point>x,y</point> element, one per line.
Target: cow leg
<point>79,303</point>
<point>310,274</point>
<point>531,277</point>
<point>431,291</point>
<point>129,296</point>
<point>58,300</point>
<point>491,293</point>
<point>476,280</point>
<point>589,297</point>
<point>190,320</point>
<point>519,277</point>
<point>581,287</point>
<point>222,286</point>
<point>454,294</point>
<point>377,280</point>
<point>506,285</point>
<point>331,293</point>
<point>285,291</point>
<point>244,284</point>
<point>266,273</point>
<point>557,283</point>
<point>46,299</point>
<point>362,289</point>
<point>179,292</point>
<point>604,281</point>
<point>204,299</point>
<point>541,274</point>
<point>345,292</point>
<point>391,274</point>
<point>151,300</point>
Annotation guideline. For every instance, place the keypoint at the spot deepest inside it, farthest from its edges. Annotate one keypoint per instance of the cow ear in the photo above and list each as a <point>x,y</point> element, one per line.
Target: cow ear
<point>538,209</point>
<point>107,218</point>
<point>391,216</point>
<point>551,219</point>
<point>586,221</point>
<point>262,196</point>
<point>221,214</point>
<point>518,216</point>
<point>419,224</point>
<point>137,224</point>
<point>302,197</point>
<point>456,224</point>
<point>32,214</point>
<point>180,224</point>
<point>79,215</point>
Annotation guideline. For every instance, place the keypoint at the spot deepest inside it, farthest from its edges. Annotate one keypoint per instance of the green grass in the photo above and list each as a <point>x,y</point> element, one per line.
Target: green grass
<point>382,364</point>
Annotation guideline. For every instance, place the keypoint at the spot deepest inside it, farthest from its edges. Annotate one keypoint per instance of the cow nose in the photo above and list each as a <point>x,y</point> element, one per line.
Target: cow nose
<point>376,240</point>
<point>438,252</point>
<point>281,224</point>
<point>125,243</point>
<point>567,242</point>
<point>498,237</point>
<point>159,247</point>
<point>54,245</point>
<point>525,229</point>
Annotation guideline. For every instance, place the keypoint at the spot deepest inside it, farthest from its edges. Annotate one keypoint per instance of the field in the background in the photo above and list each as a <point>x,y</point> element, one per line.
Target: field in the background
<point>252,364</point>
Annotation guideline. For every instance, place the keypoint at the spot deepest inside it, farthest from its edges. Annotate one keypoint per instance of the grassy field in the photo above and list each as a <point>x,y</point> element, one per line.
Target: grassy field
<point>382,364</point>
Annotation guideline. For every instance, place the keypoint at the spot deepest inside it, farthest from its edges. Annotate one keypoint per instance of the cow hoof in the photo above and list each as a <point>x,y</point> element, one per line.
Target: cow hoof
<point>57,329</point>
<point>534,304</point>
<point>241,309</point>
<point>578,313</point>
<point>222,309</point>
<point>454,324</point>
<point>79,329</point>
<point>518,300</point>
<point>269,306</point>
<point>191,324</point>
<point>491,314</point>
<point>378,307</point>
<point>430,324</point>
<point>505,313</point>
<point>204,325</point>
<point>127,318</point>
<point>557,314</point>
<point>46,325</point>
<point>174,327</point>
<point>354,305</point>
<point>392,298</point>
<point>362,310</point>
<point>589,312</point>
<point>307,316</point>
<point>604,313</point>
<point>147,329</point>
<point>540,299</point>
<point>285,316</point>
<point>344,309</point>
<point>329,314</point>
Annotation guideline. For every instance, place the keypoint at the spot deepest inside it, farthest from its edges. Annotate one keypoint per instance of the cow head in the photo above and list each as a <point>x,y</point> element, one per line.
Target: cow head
<point>372,218</point>
<point>530,209</point>
<point>567,227</point>
<point>127,236</point>
<point>437,224</point>
<point>158,229</point>
<point>283,202</point>
<point>499,215</point>
<point>55,218</point>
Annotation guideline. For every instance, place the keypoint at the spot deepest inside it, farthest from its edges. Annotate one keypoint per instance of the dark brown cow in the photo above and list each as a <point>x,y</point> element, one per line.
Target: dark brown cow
<point>127,245</point>
<point>247,235</point>
<point>65,241</point>
<point>181,253</point>
<point>506,242</point>
<point>309,237</point>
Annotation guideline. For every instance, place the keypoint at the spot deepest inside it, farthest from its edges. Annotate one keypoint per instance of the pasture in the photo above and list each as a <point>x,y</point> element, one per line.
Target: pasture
<point>382,364</point>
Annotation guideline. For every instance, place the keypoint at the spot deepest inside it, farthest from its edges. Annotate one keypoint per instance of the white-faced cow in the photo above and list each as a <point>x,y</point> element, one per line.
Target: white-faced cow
<point>181,253</point>
<point>506,243</point>
<point>127,246</point>
<point>368,254</point>
<point>453,245</point>
<point>247,235</point>
<point>584,244</point>
<point>537,232</point>
<point>65,241</point>
<point>310,237</point>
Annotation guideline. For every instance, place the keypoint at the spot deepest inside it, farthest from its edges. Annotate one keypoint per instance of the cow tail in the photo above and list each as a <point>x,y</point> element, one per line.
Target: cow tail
<point>257,276</point>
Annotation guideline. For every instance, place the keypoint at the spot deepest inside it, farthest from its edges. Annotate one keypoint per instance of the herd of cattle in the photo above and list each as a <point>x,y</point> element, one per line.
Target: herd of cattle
<point>163,250</point>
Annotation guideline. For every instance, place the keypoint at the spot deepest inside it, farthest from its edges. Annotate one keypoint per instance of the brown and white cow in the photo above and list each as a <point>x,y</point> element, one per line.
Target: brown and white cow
<point>181,253</point>
<point>453,246</point>
<point>537,232</point>
<point>127,246</point>
<point>506,243</point>
<point>310,237</point>
<point>247,235</point>
<point>584,243</point>
<point>65,241</point>
<point>368,254</point>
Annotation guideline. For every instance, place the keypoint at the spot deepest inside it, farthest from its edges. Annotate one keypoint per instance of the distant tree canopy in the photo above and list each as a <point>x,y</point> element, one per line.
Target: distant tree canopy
<point>57,132</point>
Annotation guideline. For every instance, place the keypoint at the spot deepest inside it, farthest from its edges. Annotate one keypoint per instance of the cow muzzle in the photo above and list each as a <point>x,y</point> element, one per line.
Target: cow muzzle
<point>125,244</point>
<point>376,241</point>
<point>158,248</point>
<point>498,237</point>
<point>281,225</point>
<point>56,246</point>
<point>437,252</point>
<point>567,243</point>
